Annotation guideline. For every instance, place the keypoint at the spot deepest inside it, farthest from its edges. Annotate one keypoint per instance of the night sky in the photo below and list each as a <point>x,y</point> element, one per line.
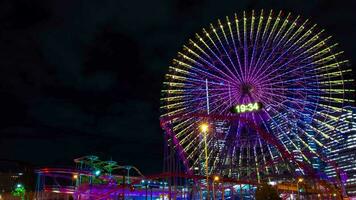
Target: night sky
<point>84,77</point>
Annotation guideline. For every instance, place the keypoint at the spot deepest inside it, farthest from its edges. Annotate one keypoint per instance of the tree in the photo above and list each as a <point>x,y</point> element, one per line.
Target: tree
<point>19,191</point>
<point>266,192</point>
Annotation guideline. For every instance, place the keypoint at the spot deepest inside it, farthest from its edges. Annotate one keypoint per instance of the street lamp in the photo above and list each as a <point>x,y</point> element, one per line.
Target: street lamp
<point>300,180</point>
<point>216,179</point>
<point>204,128</point>
<point>75,176</point>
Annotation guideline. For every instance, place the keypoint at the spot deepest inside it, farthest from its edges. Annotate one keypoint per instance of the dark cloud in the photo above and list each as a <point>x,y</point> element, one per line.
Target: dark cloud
<point>84,77</point>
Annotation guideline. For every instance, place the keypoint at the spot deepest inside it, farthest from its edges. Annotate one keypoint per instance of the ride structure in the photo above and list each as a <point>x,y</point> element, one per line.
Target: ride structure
<point>93,178</point>
<point>247,97</point>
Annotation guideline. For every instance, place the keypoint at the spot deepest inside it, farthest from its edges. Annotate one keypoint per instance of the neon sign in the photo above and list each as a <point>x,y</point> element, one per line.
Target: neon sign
<point>250,107</point>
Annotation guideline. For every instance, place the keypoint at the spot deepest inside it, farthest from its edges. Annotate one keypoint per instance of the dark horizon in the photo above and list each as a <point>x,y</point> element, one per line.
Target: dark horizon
<point>85,78</point>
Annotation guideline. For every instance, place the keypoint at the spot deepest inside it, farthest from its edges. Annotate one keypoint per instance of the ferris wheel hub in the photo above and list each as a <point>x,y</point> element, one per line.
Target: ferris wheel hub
<point>246,88</point>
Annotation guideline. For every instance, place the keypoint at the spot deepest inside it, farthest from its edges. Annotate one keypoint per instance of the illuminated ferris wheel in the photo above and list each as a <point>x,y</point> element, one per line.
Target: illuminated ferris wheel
<point>251,73</point>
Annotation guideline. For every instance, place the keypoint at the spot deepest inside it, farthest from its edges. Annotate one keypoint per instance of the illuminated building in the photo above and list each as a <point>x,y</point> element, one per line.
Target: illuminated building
<point>342,148</point>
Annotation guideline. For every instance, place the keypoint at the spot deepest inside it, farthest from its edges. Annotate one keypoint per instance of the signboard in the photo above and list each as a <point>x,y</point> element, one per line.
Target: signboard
<point>244,108</point>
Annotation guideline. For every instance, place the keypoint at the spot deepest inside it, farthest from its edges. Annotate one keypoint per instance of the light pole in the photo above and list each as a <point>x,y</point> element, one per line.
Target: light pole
<point>299,181</point>
<point>204,129</point>
<point>146,191</point>
<point>216,179</point>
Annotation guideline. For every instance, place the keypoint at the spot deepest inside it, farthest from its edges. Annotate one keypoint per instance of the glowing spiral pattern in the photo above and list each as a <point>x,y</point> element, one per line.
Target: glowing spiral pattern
<point>286,63</point>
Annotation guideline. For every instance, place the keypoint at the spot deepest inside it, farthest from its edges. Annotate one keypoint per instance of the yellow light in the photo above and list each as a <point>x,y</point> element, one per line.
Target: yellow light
<point>334,194</point>
<point>216,178</point>
<point>204,127</point>
<point>319,195</point>
<point>75,176</point>
<point>300,180</point>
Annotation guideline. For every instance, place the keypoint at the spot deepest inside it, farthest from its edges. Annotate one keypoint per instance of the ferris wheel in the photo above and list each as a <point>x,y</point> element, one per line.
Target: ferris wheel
<point>251,73</point>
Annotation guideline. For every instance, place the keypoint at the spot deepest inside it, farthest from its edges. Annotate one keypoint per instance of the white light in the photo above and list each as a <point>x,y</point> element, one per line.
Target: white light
<point>273,183</point>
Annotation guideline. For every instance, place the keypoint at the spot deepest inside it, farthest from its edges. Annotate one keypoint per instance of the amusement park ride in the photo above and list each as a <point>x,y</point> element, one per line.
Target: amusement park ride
<point>96,179</point>
<point>242,105</point>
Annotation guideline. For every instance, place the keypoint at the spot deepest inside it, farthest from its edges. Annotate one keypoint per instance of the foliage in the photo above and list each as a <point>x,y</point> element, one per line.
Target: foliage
<point>19,191</point>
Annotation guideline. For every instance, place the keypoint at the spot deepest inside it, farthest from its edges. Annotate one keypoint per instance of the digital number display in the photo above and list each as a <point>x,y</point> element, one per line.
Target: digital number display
<point>250,107</point>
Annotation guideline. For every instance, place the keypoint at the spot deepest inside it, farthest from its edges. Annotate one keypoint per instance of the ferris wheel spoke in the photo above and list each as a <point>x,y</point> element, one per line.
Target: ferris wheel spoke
<point>320,53</point>
<point>232,76</point>
<point>271,53</point>
<point>302,131</point>
<point>237,75</point>
<point>199,71</point>
<point>198,145</point>
<point>221,101</point>
<point>300,67</point>
<point>299,139</point>
<point>200,155</point>
<point>274,83</point>
<point>301,39</point>
<point>289,140</point>
<point>238,72</point>
<point>207,62</point>
<point>267,41</point>
<point>269,146</point>
<point>273,40</point>
<point>252,65</point>
<point>277,39</point>
<point>281,131</point>
<point>251,41</point>
<point>329,107</point>
<point>182,126</point>
<point>245,48</point>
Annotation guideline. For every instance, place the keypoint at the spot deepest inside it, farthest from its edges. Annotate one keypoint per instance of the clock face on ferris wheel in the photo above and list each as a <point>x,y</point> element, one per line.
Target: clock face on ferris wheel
<point>250,107</point>
<point>281,72</point>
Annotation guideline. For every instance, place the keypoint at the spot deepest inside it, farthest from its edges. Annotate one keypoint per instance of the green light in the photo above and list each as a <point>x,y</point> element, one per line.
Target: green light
<point>97,172</point>
<point>250,107</point>
<point>19,191</point>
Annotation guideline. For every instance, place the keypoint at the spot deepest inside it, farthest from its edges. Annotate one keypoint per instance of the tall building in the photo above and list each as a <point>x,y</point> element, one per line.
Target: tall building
<point>311,143</point>
<point>341,148</point>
